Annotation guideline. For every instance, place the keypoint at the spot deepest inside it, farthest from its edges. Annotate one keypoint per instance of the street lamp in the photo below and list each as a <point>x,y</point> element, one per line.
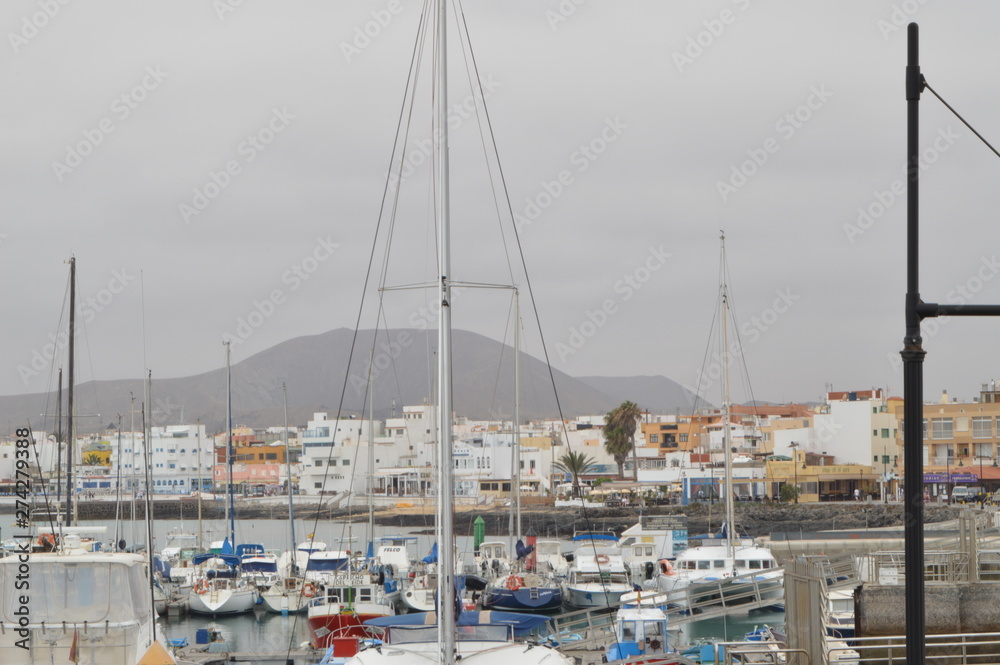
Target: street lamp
<point>795,468</point>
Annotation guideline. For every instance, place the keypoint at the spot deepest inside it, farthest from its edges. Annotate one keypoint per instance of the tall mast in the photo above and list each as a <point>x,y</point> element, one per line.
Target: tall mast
<point>200,488</point>
<point>517,416</point>
<point>70,433</point>
<point>446,572</point>
<point>288,466</point>
<point>727,438</point>
<point>229,447</point>
<point>59,442</point>
<point>132,458</point>
<point>371,454</point>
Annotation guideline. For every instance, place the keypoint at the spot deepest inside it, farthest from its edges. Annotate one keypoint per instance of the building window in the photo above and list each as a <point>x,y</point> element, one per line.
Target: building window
<point>982,428</point>
<point>942,428</point>
<point>885,433</point>
<point>346,462</point>
<point>684,438</point>
<point>318,462</point>
<point>318,485</point>
<point>654,438</point>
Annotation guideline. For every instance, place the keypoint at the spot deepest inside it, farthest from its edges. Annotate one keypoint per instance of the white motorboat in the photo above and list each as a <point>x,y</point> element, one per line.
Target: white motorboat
<point>597,576</point>
<point>96,605</point>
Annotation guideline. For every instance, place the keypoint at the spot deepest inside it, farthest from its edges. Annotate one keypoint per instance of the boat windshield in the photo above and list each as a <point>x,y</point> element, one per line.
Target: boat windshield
<point>77,592</point>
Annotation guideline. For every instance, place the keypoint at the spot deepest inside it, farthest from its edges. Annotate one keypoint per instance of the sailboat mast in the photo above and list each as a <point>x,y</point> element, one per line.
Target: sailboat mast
<point>229,446</point>
<point>727,437</point>
<point>517,416</point>
<point>288,466</point>
<point>200,485</point>
<point>59,442</point>
<point>371,455</point>
<point>446,572</point>
<point>70,433</point>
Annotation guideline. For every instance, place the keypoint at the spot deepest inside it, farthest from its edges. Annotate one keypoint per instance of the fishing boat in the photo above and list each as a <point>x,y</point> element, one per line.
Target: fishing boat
<point>597,575</point>
<point>640,631</point>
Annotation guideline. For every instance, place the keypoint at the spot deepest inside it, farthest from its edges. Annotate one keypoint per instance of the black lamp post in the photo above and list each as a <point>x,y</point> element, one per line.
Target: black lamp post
<point>795,468</point>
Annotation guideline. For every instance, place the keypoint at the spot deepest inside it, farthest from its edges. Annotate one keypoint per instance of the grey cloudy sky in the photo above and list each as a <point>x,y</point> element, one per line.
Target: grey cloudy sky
<point>236,153</point>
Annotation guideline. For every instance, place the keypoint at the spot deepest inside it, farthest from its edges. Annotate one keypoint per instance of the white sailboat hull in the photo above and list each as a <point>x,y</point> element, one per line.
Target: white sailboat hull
<point>223,601</point>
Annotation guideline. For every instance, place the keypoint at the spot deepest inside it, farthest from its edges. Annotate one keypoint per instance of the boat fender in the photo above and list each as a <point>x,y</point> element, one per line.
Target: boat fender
<point>667,568</point>
<point>650,569</point>
<point>602,558</point>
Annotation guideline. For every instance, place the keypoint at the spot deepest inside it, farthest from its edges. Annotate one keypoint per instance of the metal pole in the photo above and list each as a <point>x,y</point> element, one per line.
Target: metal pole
<point>71,431</point>
<point>913,371</point>
<point>445,527</point>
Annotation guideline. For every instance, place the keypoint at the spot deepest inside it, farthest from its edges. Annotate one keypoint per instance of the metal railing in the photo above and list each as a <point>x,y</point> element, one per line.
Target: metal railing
<point>950,649</point>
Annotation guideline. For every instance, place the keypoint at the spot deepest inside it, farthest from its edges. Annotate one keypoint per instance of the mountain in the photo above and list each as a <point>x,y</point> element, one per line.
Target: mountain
<point>316,373</point>
<point>656,394</point>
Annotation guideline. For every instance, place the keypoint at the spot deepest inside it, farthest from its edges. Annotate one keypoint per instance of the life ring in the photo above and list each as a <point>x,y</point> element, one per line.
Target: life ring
<point>47,540</point>
<point>514,582</point>
<point>308,590</point>
<point>200,587</point>
<point>602,558</point>
<point>667,568</point>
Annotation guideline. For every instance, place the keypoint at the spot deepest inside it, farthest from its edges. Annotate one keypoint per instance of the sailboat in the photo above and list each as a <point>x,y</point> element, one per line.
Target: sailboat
<point>733,567</point>
<point>289,593</point>
<point>449,634</point>
<point>523,588</point>
<point>76,602</point>
<point>221,589</point>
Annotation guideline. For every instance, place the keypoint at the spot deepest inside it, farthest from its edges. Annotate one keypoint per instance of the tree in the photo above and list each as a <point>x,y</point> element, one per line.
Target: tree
<point>615,442</point>
<point>619,435</point>
<point>92,459</point>
<point>788,492</point>
<point>575,464</point>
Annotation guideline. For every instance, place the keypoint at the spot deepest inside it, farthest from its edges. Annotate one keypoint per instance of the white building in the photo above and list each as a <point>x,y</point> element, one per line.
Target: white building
<point>177,454</point>
<point>335,454</point>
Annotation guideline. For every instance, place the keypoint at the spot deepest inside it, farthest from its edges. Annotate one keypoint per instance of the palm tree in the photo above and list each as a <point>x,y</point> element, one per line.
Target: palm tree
<point>575,464</point>
<point>615,441</point>
<point>629,414</point>
<point>619,435</point>
<point>92,459</point>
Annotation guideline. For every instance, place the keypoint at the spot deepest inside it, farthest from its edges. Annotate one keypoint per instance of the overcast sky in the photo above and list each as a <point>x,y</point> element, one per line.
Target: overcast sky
<point>237,152</point>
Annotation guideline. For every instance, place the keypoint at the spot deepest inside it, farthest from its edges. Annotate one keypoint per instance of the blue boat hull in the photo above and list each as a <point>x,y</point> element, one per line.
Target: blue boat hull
<point>525,599</point>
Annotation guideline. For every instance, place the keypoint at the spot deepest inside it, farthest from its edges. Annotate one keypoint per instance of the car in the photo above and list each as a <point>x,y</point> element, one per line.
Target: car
<point>965,494</point>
